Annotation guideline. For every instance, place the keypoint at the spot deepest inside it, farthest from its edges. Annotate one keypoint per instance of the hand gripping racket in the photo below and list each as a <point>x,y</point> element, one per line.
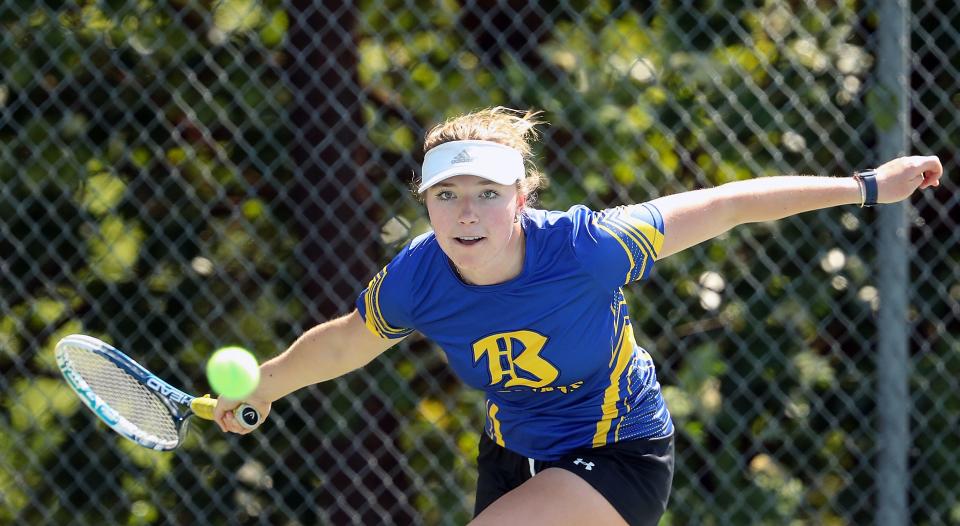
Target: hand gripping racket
<point>132,400</point>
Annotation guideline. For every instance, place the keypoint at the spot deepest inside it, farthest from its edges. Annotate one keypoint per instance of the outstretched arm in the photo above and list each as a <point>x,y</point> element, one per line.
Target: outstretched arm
<point>692,217</point>
<point>327,351</point>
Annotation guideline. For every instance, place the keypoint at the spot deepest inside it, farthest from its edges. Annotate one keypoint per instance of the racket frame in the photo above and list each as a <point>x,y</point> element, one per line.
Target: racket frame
<point>180,404</point>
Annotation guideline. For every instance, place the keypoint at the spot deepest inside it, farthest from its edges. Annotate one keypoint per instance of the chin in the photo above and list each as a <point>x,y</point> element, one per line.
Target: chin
<point>471,262</point>
<point>465,263</point>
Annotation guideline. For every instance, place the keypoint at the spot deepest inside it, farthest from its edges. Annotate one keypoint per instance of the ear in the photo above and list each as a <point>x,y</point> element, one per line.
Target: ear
<point>521,201</point>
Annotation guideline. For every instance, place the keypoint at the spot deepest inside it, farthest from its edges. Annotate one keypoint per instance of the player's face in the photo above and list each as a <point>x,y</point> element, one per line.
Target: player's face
<point>473,219</point>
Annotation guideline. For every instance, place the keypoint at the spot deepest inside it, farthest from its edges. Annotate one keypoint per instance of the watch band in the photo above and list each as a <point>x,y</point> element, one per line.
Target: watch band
<point>869,180</point>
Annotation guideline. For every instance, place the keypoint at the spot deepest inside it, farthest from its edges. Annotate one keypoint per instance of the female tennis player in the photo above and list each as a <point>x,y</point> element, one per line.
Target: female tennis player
<point>527,304</point>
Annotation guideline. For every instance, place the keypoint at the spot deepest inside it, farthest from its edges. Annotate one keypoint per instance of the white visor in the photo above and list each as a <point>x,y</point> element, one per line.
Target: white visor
<point>490,160</point>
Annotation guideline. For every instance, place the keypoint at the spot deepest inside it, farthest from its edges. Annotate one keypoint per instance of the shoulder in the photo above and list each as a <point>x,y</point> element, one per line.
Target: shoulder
<point>645,212</point>
<point>417,252</point>
<point>570,220</point>
<point>576,226</point>
<point>388,303</point>
<point>409,265</point>
<point>417,266</point>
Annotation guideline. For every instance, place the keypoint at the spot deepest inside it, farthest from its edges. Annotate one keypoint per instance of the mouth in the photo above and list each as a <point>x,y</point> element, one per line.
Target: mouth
<point>468,240</point>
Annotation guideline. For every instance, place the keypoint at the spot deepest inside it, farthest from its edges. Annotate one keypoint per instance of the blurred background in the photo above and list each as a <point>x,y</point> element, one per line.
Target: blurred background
<point>181,175</point>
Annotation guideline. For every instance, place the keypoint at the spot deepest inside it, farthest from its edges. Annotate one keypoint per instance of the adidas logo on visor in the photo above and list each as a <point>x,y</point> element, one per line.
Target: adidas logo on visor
<point>462,157</point>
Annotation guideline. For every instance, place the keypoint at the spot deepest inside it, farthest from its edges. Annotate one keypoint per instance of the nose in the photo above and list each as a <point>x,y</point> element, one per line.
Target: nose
<point>468,214</point>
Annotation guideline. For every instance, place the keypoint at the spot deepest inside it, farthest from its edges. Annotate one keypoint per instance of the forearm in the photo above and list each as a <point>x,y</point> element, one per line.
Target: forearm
<point>693,217</point>
<point>321,353</point>
<point>771,198</point>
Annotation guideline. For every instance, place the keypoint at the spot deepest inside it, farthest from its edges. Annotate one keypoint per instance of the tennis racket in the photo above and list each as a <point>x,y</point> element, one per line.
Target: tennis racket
<point>130,399</point>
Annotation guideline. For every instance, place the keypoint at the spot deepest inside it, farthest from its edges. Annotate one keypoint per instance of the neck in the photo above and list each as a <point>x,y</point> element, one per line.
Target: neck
<point>508,268</point>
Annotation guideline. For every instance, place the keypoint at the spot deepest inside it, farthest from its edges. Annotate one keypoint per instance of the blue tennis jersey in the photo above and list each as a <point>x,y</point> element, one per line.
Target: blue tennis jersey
<point>553,348</point>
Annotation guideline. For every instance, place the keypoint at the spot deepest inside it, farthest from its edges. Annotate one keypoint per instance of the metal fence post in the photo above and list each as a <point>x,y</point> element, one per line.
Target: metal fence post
<point>893,368</point>
<point>178,176</point>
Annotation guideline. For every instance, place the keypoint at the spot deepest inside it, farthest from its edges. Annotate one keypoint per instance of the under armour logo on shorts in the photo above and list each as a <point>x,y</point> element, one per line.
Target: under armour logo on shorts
<point>462,157</point>
<point>580,461</point>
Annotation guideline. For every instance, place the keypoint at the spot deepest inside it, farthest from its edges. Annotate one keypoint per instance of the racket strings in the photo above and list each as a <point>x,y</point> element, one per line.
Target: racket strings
<point>124,394</point>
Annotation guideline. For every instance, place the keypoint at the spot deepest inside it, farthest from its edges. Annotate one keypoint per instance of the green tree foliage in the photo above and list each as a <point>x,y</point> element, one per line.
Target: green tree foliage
<point>145,199</point>
<point>140,143</point>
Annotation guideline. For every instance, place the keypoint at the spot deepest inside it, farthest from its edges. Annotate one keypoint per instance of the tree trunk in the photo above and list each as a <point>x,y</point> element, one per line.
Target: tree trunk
<point>332,209</point>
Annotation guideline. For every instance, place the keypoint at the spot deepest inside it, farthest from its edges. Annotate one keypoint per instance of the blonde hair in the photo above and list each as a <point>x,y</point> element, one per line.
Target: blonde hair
<point>509,127</point>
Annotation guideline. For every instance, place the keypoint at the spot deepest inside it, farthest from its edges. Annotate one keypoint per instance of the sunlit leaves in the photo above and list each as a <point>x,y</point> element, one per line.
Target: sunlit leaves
<point>237,15</point>
<point>35,403</point>
<point>275,30</point>
<point>102,192</point>
<point>114,246</point>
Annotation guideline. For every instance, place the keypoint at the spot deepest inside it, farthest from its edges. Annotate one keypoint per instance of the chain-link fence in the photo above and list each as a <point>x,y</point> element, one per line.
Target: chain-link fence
<point>177,176</point>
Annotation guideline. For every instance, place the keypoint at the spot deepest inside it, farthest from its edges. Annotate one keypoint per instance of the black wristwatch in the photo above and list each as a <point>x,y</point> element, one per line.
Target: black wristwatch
<point>868,182</point>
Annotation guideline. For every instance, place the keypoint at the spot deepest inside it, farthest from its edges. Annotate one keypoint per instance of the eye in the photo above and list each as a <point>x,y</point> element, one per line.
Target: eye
<point>444,195</point>
<point>489,194</point>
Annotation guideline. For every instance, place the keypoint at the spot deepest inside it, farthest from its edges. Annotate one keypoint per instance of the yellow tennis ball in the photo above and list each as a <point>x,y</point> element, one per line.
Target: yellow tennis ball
<point>233,372</point>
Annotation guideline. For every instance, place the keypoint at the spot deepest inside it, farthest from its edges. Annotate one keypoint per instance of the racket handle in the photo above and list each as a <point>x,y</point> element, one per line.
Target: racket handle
<point>247,416</point>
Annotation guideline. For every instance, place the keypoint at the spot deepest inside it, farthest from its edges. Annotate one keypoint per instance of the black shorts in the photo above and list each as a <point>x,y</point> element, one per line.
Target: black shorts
<point>634,476</point>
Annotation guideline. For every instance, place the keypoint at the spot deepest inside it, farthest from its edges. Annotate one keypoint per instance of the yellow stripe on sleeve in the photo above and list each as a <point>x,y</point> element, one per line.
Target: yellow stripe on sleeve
<point>378,316</point>
<point>368,304</point>
<point>375,321</point>
<point>644,248</point>
<point>622,244</point>
<point>636,234</point>
<point>650,232</point>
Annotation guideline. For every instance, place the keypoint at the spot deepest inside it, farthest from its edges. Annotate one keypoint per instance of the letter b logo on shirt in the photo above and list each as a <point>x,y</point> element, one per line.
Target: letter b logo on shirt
<point>515,356</point>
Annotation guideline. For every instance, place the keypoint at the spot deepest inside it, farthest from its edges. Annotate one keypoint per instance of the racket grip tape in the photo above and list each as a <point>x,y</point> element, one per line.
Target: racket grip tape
<point>245,414</point>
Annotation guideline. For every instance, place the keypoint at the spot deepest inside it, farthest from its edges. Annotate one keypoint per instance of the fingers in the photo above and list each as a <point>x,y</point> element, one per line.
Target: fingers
<point>224,417</point>
<point>224,414</point>
<point>918,171</point>
<point>230,421</point>
<point>218,411</point>
<point>899,178</point>
<point>931,170</point>
<point>931,164</point>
